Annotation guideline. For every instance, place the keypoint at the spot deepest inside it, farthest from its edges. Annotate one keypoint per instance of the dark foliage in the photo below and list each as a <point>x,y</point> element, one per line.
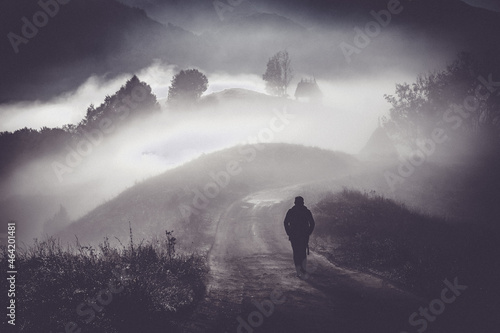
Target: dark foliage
<point>369,232</point>
<point>187,86</point>
<point>150,290</point>
<point>28,144</point>
<point>134,99</point>
<point>455,96</point>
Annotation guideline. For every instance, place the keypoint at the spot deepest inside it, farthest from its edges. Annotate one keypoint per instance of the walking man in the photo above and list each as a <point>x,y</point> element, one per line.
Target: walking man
<point>299,225</point>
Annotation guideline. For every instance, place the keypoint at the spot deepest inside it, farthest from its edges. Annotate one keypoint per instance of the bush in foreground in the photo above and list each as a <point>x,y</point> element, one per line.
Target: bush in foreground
<point>129,289</point>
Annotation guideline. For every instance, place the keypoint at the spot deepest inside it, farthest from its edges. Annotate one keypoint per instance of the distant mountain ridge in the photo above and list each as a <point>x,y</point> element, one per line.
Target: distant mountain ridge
<point>84,37</point>
<point>107,38</point>
<point>326,11</point>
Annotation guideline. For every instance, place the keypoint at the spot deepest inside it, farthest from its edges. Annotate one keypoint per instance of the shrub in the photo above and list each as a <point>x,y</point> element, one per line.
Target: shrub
<point>156,287</point>
<point>369,232</point>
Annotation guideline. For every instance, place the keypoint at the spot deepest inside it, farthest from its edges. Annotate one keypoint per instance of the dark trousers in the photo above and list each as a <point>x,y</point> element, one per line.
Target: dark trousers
<point>299,246</point>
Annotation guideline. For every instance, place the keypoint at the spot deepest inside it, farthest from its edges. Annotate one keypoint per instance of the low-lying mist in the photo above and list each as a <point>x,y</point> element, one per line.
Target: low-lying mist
<point>147,147</point>
<point>353,102</point>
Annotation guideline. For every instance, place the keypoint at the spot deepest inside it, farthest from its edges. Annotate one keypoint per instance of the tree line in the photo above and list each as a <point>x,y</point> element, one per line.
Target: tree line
<point>26,144</point>
<point>464,94</point>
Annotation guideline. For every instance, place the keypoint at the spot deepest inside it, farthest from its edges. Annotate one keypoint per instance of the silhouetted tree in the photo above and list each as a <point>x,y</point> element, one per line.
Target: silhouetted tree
<point>455,96</point>
<point>278,74</point>
<point>187,86</point>
<point>133,99</point>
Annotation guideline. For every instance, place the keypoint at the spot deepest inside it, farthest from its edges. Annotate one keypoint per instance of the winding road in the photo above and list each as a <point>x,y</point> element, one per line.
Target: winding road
<point>253,286</point>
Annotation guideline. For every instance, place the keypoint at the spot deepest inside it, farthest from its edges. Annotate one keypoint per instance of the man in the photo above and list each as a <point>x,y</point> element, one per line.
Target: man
<point>299,225</point>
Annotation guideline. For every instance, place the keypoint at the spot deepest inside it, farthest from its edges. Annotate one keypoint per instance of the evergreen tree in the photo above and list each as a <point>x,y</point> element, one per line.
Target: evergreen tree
<point>133,99</point>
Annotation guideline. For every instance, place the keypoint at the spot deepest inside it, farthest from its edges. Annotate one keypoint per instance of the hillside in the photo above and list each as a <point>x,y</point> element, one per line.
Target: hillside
<point>388,262</point>
<point>372,234</point>
<point>380,250</point>
<point>85,37</point>
<point>173,200</point>
<point>450,21</point>
<point>130,154</point>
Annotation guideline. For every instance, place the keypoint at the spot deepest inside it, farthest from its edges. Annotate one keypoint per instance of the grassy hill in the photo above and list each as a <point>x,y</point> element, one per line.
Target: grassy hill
<point>366,231</point>
<point>376,235</point>
<point>189,201</point>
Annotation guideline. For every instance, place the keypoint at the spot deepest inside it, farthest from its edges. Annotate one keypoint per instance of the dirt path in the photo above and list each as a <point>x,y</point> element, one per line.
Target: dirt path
<point>251,268</point>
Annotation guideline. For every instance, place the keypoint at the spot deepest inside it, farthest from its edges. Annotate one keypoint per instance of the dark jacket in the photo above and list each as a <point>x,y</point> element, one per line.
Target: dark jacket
<point>299,222</point>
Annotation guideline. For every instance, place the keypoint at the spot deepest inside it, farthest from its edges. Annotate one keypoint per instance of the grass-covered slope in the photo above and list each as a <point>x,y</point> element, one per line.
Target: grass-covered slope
<point>372,233</point>
<point>173,200</point>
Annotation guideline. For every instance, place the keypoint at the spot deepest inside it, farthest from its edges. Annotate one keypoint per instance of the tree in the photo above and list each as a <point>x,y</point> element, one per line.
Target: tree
<point>278,74</point>
<point>437,98</point>
<point>187,86</point>
<point>134,99</point>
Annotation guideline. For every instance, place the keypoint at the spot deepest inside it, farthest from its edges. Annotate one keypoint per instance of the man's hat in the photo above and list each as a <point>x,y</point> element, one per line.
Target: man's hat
<point>299,200</point>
